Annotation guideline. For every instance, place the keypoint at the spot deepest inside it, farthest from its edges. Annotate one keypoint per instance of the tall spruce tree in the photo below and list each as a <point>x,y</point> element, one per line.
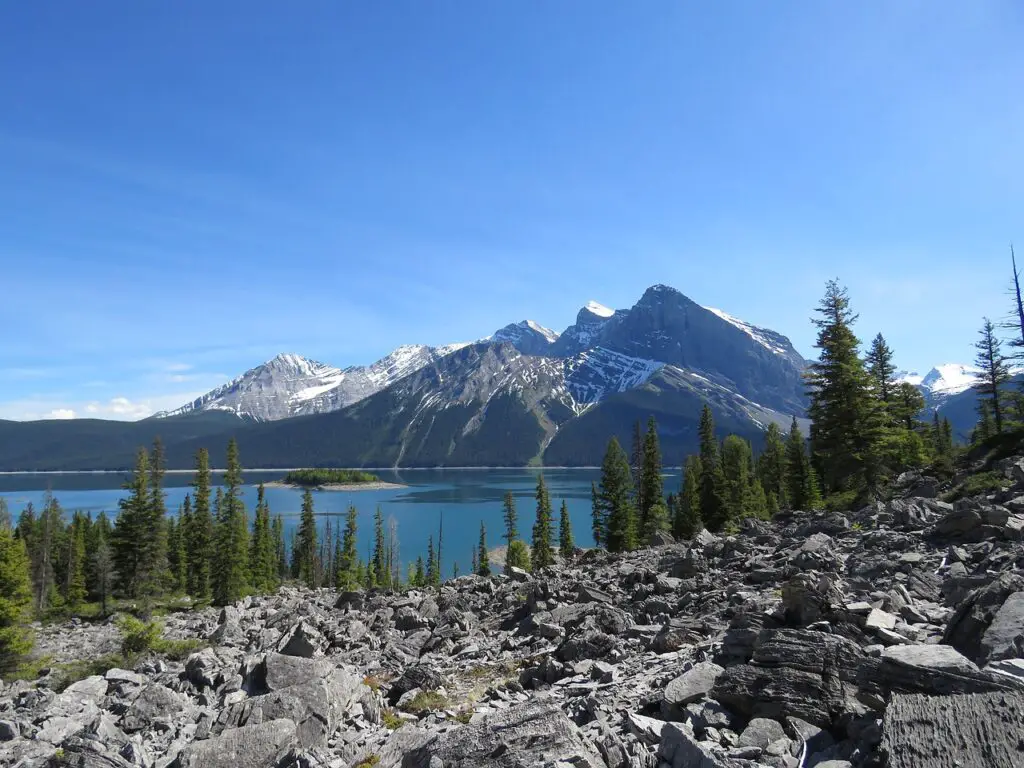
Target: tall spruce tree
<point>15,600</point>
<point>736,469</point>
<point>131,527</point>
<point>688,522</point>
<point>541,553</point>
<point>483,560</point>
<point>511,518</point>
<point>237,571</point>
<point>177,557</point>
<point>346,563</point>
<point>566,544</point>
<point>616,496</point>
<point>430,576</point>
<point>713,508</point>
<point>636,462</point>
<point>598,521</point>
<point>881,370</point>
<point>199,542</point>
<point>771,468</point>
<point>994,373</point>
<point>154,552</point>
<point>306,546</point>
<point>75,593</point>
<point>803,483</point>
<point>262,557</point>
<point>280,550</point>
<point>381,577</point>
<point>845,426</point>
<point>652,514</point>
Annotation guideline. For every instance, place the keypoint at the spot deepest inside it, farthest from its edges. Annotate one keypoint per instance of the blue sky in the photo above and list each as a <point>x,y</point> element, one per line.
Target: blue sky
<point>190,188</point>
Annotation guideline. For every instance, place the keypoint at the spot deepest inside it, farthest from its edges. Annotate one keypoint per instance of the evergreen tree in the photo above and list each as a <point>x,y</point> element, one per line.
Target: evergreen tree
<point>15,599</point>
<point>735,468</point>
<point>177,559</point>
<point>306,542</point>
<point>345,565</point>
<point>130,529</point>
<point>518,556</point>
<point>881,370</point>
<point>430,576</point>
<point>75,593</point>
<point>5,515</point>
<point>803,483</point>
<point>947,437</point>
<point>421,574</point>
<point>688,523</point>
<point>103,570</point>
<point>905,406</point>
<point>483,567</point>
<point>636,460</point>
<point>713,509</point>
<point>771,467</point>
<point>616,500</point>
<point>566,545</point>
<point>186,525</point>
<point>235,582</point>
<point>262,556</point>
<point>845,419</point>
<point>994,374</point>
<point>511,518</point>
<point>474,564</point>
<point>153,560</point>
<point>381,576</point>
<point>599,523</point>
<point>651,495</point>
<point>455,569</point>
<point>199,542</point>
<point>542,554</point>
<point>758,504</point>
<point>280,551</point>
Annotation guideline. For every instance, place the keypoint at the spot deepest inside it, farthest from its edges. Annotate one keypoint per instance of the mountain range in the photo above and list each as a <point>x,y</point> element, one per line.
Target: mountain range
<point>523,395</point>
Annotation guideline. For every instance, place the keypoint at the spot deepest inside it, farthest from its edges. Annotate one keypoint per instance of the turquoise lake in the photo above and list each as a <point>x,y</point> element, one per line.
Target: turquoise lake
<point>465,497</point>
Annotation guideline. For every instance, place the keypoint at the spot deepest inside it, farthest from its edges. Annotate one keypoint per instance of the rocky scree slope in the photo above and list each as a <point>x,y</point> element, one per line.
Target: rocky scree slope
<point>892,636</point>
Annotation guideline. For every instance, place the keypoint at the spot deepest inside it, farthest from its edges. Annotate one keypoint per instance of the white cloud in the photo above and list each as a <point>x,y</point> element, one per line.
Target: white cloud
<point>62,413</point>
<point>177,367</point>
<point>117,408</point>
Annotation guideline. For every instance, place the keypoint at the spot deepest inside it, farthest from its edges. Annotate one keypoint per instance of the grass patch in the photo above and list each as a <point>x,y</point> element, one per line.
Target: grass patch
<point>426,701</point>
<point>64,675</point>
<point>464,717</point>
<point>177,650</point>
<point>975,485</point>
<point>841,502</point>
<point>369,762</point>
<point>372,682</point>
<point>391,721</point>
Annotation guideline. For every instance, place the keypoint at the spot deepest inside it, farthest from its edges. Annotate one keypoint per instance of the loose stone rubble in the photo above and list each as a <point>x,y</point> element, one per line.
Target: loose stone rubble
<point>890,636</point>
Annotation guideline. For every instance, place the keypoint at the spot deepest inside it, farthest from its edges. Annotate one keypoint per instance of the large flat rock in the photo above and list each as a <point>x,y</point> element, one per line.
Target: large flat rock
<point>982,729</point>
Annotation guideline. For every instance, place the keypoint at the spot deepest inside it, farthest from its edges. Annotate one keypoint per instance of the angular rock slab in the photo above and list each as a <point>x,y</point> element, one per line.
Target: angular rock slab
<point>254,746</point>
<point>983,729</point>
<point>1004,639</point>
<point>533,734</point>
<point>692,685</point>
<point>679,749</point>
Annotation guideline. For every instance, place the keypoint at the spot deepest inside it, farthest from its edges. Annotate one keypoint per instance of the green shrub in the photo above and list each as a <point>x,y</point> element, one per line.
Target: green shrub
<point>976,485</point>
<point>425,701</point>
<point>841,501</point>
<point>391,721</point>
<point>177,650</point>
<point>138,636</point>
<point>369,762</point>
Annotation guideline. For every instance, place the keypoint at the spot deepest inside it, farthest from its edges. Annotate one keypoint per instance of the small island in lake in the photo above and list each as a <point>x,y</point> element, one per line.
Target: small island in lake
<point>335,480</point>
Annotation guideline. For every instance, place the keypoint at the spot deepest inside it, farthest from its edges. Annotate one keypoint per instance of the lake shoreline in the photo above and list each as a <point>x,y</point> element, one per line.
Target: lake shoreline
<point>378,485</point>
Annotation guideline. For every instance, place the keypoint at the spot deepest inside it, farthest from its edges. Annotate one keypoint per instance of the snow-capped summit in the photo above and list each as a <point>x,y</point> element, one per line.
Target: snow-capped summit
<point>529,337</point>
<point>942,381</point>
<point>598,309</point>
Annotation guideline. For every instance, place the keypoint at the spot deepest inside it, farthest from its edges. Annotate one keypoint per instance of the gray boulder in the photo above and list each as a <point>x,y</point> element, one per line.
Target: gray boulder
<point>526,736</point>
<point>302,640</point>
<point>760,732</point>
<point>680,749</point>
<point>155,707</point>
<point>1004,638</point>
<point>926,669</point>
<point>985,729</point>
<point>794,673</point>
<point>975,614</point>
<point>254,746</point>
<point>693,685</point>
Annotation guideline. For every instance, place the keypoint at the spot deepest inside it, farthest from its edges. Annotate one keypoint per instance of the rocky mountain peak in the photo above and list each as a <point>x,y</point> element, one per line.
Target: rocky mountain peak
<point>528,336</point>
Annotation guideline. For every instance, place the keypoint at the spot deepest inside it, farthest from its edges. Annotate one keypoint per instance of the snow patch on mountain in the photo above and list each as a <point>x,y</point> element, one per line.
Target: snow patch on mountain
<point>761,335</point>
<point>943,380</point>
<point>597,373</point>
<point>599,309</point>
